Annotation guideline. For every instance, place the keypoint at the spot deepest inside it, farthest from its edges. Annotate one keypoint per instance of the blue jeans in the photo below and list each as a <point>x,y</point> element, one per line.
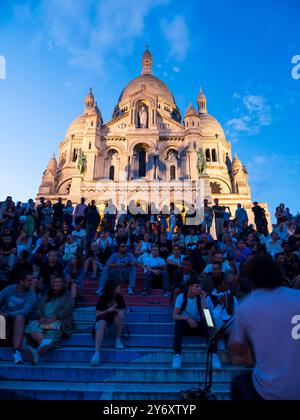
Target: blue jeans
<point>126,275</point>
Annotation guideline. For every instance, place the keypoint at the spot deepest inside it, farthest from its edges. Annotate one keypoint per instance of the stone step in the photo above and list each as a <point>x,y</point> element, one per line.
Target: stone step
<point>110,355</point>
<point>114,373</point>
<point>101,391</point>
<point>135,340</point>
<point>131,317</point>
<point>132,300</point>
<point>134,327</point>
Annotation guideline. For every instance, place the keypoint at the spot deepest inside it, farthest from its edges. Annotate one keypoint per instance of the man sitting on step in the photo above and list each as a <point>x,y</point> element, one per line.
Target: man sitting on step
<point>190,321</point>
<point>155,268</point>
<point>120,267</point>
<point>16,302</point>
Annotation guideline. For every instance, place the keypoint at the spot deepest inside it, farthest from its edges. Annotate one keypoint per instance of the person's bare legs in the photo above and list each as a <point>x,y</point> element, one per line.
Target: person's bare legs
<point>119,322</point>
<point>38,337</point>
<point>19,324</point>
<point>95,268</point>
<point>99,335</point>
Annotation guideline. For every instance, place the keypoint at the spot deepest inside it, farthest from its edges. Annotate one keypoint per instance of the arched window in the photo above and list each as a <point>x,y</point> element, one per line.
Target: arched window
<point>172,173</point>
<point>214,155</point>
<point>142,163</point>
<point>208,158</point>
<point>215,188</point>
<point>112,173</point>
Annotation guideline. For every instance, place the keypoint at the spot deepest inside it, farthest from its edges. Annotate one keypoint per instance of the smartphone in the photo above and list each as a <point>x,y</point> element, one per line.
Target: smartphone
<point>208,318</point>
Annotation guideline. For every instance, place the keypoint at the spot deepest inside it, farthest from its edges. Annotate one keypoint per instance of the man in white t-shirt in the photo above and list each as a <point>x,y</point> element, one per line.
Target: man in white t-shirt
<point>265,321</point>
<point>155,267</point>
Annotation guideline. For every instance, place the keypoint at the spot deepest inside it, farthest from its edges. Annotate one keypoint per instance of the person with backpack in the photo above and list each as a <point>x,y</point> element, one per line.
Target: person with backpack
<point>190,321</point>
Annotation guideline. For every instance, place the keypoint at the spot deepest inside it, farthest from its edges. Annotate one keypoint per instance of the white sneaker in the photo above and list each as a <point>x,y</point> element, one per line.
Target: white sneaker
<point>176,361</point>
<point>96,359</point>
<point>45,345</point>
<point>17,358</point>
<point>118,344</point>
<point>32,355</point>
<point>130,291</point>
<point>216,362</point>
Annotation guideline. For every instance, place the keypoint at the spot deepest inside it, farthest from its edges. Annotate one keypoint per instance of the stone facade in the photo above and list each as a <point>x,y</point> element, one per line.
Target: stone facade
<point>146,151</point>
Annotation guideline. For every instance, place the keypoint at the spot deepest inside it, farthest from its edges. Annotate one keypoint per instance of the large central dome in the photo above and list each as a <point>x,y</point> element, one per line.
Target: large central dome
<point>157,86</point>
<point>149,82</point>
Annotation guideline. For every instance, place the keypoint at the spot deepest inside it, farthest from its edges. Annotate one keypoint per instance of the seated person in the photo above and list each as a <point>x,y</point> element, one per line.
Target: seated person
<point>110,310</point>
<point>93,260</point>
<point>189,320</point>
<point>16,302</point>
<point>144,246</point>
<point>79,234</point>
<point>182,276</point>
<point>155,267</point>
<point>8,251</point>
<point>69,249</point>
<point>74,275</point>
<point>121,267</point>
<point>105,243</point>
<point>223,302</point>
<point>165,246</point>
<point>50,268</point>
<point>54,320</point>
<point>218,258</point>
<point>191,240</point>
<point>174,262</point>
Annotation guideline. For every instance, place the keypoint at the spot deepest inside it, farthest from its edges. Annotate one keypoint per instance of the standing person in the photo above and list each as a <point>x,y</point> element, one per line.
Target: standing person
<point>92,219</point>
<point>265,321</point>
<point>110,310</point>
<point>189,320</point>
<point>79,212</point>
<point>39,210</point>
<point>46,214</point>
<point>241,216</point>
<point>219,213</point>
<point>58,212</point>
<point>208,217</point>
<point>16,302</point>
<point>68,213</point>
<point>259,216</point>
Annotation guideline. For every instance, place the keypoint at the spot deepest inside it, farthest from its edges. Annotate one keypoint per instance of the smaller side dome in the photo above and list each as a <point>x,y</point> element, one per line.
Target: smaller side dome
<point>52,165</point>
<point>191,112</point>
<point>236,164</point>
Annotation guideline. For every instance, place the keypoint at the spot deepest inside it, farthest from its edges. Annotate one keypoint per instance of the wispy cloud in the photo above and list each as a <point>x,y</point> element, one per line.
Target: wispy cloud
<point>88,31</point>
<point>255,113</point>
<point>268,176</point>
<point>177,34</point>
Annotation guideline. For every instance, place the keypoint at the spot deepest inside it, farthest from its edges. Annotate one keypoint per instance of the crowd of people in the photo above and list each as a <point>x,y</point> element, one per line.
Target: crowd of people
<point>48,250</point>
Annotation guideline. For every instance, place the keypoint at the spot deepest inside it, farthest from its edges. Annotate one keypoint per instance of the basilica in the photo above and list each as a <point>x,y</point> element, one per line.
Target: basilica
<point>147,152</point>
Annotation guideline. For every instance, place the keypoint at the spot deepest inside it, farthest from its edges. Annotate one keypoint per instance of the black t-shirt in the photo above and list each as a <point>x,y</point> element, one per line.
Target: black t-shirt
<point>164,253</point>
<point>219,212</point>
<point>103,305</point>
<point>47,271</point>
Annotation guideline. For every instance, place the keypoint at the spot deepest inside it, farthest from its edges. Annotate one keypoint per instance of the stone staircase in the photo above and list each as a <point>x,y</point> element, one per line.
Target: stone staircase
<point>142,371</point>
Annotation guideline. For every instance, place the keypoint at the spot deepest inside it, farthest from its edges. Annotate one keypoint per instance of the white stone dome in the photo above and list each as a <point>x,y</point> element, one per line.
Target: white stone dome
<point>77,127</point>
<point>209,126</point>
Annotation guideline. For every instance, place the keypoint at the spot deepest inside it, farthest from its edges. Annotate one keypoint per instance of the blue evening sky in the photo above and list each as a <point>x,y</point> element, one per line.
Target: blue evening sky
<point>240,52</point>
